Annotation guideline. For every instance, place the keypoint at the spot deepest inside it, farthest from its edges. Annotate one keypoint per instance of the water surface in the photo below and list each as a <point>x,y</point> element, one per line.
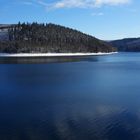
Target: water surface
<point>90,98</point>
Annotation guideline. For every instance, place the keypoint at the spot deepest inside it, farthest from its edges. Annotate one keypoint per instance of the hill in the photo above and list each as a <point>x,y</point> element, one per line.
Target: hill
<point>43,38</point>
<point>128,44</point>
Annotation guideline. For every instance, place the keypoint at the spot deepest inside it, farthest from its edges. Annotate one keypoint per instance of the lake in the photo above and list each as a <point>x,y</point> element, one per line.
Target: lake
<point>74,98</point>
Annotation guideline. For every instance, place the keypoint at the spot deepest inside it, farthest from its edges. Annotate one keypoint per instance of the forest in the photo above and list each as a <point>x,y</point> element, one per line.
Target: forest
<point>44,38</point>
<point>127,44</point>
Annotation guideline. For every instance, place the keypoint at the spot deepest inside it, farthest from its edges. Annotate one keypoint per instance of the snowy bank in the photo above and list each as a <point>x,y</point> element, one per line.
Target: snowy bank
<point>52,54</point>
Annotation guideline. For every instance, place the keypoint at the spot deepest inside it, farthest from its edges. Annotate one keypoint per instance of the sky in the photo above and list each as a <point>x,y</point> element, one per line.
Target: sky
<point>104,19</point>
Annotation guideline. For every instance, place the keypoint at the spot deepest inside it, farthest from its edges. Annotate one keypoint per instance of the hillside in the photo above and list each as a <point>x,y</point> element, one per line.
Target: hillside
<point>128,44</point>
<point>43,38</point>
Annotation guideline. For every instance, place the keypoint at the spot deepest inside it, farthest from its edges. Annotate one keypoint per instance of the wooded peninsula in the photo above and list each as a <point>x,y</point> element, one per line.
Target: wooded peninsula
<point>49,38</point>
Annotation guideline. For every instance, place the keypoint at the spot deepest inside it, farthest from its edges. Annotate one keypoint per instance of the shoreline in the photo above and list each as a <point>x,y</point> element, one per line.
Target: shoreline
<point>53,54</point>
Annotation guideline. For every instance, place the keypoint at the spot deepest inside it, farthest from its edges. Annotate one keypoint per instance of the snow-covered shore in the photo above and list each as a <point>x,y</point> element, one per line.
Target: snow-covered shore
<point>52,54</point>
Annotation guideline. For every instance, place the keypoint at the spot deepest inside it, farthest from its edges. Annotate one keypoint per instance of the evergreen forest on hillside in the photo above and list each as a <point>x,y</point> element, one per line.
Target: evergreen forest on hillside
<point>43,38</point>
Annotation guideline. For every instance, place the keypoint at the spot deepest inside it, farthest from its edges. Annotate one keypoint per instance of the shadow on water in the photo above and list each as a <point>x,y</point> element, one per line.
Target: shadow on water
<point>41,60</point>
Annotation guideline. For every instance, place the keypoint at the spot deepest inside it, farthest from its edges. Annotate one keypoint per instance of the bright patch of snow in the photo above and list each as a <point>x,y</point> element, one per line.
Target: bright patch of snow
<point>52,54</point>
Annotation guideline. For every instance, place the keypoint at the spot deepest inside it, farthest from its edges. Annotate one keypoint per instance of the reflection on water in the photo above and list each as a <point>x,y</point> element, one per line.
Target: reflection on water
<point>39,60</point>
<point>94,98</point>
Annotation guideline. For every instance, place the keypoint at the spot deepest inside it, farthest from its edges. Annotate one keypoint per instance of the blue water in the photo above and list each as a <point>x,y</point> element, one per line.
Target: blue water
<point>90,98</point>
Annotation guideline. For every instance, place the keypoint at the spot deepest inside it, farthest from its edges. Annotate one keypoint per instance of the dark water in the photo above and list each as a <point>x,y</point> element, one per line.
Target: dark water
<point>93,98</point>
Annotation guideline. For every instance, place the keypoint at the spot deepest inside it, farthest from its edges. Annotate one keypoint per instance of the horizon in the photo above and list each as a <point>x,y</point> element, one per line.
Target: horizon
<point>103,19</point>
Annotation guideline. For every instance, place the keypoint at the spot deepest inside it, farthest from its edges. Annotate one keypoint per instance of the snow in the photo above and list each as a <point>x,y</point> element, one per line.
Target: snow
<point>52,54</point>
<point>3,34</point>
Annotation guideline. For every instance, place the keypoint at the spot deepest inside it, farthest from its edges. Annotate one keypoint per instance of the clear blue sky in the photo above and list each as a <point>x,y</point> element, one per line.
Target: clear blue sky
<point>104,19</point>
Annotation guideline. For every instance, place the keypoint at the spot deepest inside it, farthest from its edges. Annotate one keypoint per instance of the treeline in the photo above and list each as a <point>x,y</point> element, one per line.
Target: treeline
<point>43,38</point>
<point>127,45</point>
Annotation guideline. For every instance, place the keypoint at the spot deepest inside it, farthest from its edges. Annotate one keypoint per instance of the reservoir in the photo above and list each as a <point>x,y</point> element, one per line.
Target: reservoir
<point>70,98</point>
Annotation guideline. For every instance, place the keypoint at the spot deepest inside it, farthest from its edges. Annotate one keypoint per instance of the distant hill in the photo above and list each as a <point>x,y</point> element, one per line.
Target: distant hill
<point>5,26</point>
<point>128,44</point>
<point>43,38</point>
